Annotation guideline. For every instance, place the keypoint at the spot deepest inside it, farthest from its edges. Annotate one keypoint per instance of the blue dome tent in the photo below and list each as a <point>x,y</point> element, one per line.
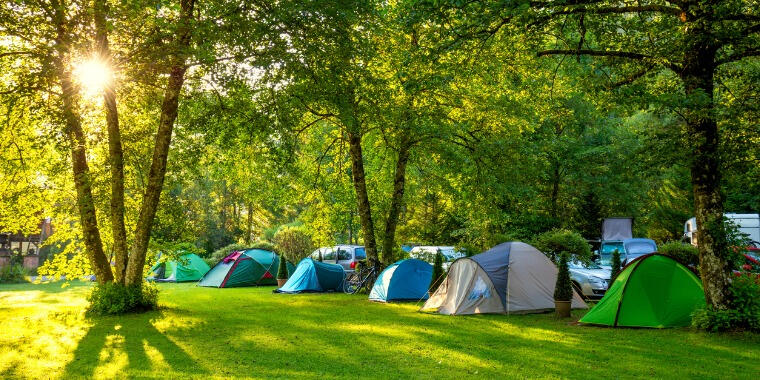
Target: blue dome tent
<point>404,280</point>
<point>314,276</point>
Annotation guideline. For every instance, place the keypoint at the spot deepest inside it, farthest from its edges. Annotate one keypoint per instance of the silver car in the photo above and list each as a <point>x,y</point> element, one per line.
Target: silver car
<point>591,280</point>
<point>345,255</point>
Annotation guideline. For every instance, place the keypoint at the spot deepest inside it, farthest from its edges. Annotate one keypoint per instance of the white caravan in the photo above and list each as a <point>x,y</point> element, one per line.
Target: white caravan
<point>747,223</point>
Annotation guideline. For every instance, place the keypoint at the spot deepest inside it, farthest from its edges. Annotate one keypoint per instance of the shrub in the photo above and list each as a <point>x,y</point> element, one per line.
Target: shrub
<point>223,252</point>
<point>13,273</point>
<point>468,249</point>
<point>282,268</point>
<point>293,242</point>
<point>437,271</point>
<point>743,311</point>
<point>616,265</point>
<point>563,289</point>
<point>265,245</point>
<point>112,298</point>
<point>686,254</point>
<point>554,242</point>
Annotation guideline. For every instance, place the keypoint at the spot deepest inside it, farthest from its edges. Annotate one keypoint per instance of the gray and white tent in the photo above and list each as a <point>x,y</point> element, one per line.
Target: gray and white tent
<point>509,278</point>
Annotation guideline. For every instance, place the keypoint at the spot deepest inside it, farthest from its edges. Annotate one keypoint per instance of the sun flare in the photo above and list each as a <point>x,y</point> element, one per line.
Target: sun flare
<point>93,75</point>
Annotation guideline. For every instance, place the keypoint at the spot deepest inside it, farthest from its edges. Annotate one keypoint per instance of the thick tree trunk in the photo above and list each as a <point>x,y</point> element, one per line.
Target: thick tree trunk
<point>161,149</point>
<point>697,75</point>
<point>362,198</point>
<point>397,199</point>
<point>114,148</point>
<point>82,183</point>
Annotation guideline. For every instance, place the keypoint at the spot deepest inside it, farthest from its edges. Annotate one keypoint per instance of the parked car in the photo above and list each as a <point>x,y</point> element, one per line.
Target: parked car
<point>607,248</point>
<point>345,255</point>
<point>637,247</point>
<point>590,280</point>
<point>427,253</point>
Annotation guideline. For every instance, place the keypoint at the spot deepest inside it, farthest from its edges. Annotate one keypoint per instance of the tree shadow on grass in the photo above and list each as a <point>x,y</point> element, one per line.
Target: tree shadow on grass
<point>128,346</point>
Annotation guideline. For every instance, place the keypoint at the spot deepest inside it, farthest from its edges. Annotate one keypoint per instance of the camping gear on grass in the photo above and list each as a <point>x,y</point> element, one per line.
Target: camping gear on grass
<point>509,278</point>
<point>404,280</point>
<point>651,291</point>
<point>188,267</point>
<point>244,268</point>
<point>313,276</point>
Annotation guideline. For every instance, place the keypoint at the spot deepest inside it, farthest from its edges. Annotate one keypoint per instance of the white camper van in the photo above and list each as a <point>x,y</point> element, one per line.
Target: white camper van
<point>747,223</point>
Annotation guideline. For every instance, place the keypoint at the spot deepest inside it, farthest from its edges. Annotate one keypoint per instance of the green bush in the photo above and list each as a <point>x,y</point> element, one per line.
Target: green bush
<point>293,242</point>
<point>743,311</point>
<point>223,252</point>
<point>282,268</point>
<point>14,273</point>
<point>686,254</point>
<point>554,242</point>
<point>616,265</point>
<point>113,299</point>
<point>563,289</point>
<point>437,271</point>
<point>468,249</point>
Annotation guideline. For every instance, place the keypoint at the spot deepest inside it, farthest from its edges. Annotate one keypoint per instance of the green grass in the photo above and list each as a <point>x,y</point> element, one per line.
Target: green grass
<point>252,333</point>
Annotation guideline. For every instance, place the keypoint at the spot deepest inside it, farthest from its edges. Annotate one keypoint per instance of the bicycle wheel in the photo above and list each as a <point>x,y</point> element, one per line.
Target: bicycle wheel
<point>352,283</point>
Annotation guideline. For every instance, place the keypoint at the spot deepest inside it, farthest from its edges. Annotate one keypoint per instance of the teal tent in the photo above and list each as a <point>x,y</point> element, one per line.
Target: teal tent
<point>404,280</point>
<point>314,276</point>
<point>188,267</point>
<point>244,268</point>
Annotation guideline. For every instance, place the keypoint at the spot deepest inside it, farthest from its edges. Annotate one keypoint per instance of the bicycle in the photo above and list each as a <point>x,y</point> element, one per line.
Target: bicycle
<point>363,278</point>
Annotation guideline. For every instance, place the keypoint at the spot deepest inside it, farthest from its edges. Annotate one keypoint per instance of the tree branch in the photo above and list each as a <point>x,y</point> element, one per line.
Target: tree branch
<point>597,53</point>
<point>738,56</point>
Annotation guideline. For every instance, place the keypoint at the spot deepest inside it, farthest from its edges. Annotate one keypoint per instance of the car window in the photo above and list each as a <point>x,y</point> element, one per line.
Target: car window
<point>360,253</point>
<point>640,248</point>
<point>344,254</point>
<point>328,255</point>
<point>609,248</point>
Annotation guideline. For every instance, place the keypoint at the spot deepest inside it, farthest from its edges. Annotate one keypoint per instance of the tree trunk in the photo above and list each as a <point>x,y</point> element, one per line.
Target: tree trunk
<point>114,147</point>
<point>82,183</point>
<point>249,228</point>
<point>161,148</point>
<point>697,75</point>
<point>362,198</point>
<point>397,199</point>
<point>555,187</point>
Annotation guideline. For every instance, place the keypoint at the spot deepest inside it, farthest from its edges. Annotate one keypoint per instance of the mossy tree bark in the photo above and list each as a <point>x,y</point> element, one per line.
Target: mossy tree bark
<point>157,172</point>
<point>75,134</point>
<point>116,153</point>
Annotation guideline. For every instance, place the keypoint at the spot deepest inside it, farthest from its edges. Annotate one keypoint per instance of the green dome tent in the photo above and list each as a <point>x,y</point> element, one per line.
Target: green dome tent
<point>652,291</point>
<point>244,268</point>
<point>188,267</point>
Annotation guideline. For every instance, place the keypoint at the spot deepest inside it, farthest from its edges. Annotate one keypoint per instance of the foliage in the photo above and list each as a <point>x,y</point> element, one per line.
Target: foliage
<point>13,273</point>
<point>113,299</point>
<point>282,268</point>
<point>684,253</point>
<point>743,312</point>
<point>553,243</point>
<point>563,289</point>
<point>295,243</point>
<point>616,265</point>
<point>225,251</point>
<point>438,273</point>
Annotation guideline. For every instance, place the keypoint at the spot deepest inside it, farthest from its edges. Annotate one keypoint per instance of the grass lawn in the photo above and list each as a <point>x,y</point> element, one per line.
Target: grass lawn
<point>252,333</point>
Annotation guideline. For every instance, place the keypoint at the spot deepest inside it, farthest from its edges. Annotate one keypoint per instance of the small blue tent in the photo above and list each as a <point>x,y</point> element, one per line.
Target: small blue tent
<point>403,280</point>
<point>314,276</point>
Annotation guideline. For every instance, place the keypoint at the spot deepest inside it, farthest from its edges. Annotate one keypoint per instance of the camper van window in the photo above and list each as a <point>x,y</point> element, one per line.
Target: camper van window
<point>360,253</point>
